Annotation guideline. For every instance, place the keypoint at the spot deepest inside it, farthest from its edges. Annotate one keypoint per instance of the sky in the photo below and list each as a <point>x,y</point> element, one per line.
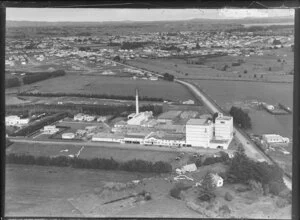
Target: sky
<point>98,15</point>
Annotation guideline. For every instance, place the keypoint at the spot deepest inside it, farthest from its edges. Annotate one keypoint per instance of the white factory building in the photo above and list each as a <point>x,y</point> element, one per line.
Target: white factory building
<point>274,139</point>
<point>14,120</point>
<point>199,132</point>
<point>204,133</point>
<point>50,129</point>
<point>223,127</point>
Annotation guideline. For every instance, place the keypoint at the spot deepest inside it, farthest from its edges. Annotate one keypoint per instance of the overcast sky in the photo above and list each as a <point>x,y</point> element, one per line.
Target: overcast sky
<point>81,14</point>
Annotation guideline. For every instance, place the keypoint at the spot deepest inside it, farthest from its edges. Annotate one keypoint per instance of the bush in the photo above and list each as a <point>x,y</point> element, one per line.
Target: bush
<point>275,188</point>
<point>228,197</point>
<point>256,187</point>
<point>175,193</point>
<point>281,203</point>
<point>176,190</point>
<point>224,210</point>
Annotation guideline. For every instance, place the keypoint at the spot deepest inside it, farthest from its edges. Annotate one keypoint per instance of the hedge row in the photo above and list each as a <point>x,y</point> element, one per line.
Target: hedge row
<point>76,108</point>
<point>96,163</point>
<point>99,96</point>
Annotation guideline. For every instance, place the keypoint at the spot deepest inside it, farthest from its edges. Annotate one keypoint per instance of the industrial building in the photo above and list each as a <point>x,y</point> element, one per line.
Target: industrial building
<point>50,129</point>
<point>138,118</point>
<point>14,120</point>
<point>274,139</point>
<point>199,132</point>
<point>223,127</point>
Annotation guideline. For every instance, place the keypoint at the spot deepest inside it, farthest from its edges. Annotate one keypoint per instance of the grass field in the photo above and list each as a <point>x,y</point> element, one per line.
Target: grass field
<point>91,152</point>
<point>113,86</point>
<point>49,191</point>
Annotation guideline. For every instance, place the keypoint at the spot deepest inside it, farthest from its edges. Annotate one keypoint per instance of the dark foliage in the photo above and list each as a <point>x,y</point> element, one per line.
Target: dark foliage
<point>240,117</point>
<point>245,170</point>
<point>95,163</point>
<point>168,77</point>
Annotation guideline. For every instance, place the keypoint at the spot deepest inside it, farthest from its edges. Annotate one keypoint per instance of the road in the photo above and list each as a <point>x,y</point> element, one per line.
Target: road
<point>251,149</point>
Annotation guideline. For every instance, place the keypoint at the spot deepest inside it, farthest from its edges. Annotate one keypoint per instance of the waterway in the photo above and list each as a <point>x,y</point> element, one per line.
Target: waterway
<point>228,93</point>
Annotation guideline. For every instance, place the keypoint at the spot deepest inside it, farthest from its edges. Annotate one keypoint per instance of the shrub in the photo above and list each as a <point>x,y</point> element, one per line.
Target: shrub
<point>256,186</point>
<point>228,197</point>
<point>275,188</point>
<point>224,210</point>
<point>175,193</point>
<point>281,203</point>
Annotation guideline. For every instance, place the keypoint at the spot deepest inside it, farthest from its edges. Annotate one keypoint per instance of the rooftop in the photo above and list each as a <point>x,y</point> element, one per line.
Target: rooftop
<point>227,118</point>
<point>197,121</point>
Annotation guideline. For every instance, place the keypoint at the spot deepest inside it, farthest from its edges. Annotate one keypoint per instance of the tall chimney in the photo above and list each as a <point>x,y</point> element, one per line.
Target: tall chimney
<point>136,101</point>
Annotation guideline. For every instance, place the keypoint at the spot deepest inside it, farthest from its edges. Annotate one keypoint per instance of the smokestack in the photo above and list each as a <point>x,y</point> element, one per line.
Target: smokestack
<point>136,101</point>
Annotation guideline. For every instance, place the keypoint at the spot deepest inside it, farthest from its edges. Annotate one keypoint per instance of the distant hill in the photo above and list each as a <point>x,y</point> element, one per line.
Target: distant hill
<point>198,20</point>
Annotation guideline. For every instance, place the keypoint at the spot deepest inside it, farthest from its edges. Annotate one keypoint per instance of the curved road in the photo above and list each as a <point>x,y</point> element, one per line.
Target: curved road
<point>251,149</point>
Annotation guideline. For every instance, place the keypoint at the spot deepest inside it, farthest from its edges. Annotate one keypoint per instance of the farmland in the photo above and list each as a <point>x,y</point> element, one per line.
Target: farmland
<point>112,86</point>
<point>280,60</point>
<point>49,191</point>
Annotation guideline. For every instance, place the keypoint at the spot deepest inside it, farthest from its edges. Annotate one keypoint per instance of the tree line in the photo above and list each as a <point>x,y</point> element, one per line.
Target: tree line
<point>32,78</point>
<point>95,163</point>
<point>115,110</point>
<point>133,45</point>
<point>99,96</point>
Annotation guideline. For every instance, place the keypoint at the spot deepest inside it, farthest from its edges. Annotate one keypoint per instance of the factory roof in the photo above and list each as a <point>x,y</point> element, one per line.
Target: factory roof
<point>169,115</point>
<point>135,136</point>
<point>197,121</point>
<point>107,135</point>
<point>224,118</point>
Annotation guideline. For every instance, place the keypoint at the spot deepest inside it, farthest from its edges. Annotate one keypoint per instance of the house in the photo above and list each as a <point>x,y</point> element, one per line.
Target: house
<point>14,120</point>
<point>189,168</point>
<point>50,129</point>
<point>217,180</point>
<point>79,117</point>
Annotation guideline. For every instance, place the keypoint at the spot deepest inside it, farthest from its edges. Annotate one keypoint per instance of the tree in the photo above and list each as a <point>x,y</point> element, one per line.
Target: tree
<point>207,183</point>
<point>240,117</point>
<point>117,58</point>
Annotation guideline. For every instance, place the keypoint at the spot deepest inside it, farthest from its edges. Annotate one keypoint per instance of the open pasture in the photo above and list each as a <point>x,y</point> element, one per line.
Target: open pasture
<point>113,86</point>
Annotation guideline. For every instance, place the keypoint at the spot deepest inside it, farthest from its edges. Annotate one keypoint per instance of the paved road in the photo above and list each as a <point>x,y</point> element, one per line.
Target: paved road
<point>251,149</point>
